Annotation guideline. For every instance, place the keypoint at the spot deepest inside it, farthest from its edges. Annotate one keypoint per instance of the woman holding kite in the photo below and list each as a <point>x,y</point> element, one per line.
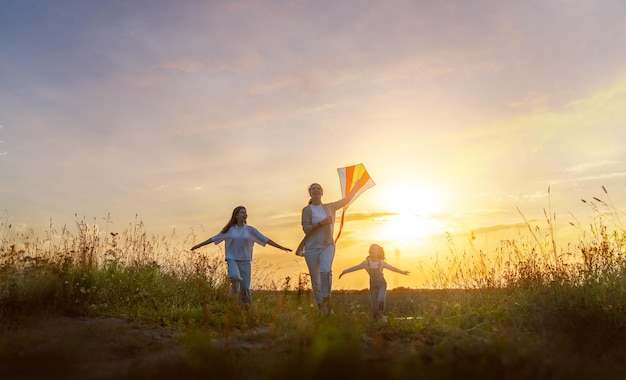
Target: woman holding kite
<point>318,245</point>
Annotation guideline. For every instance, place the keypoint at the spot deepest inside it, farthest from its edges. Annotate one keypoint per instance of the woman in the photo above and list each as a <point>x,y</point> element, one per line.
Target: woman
<point>318,245</point>
<point>239,240</point>
<point>374,265</point>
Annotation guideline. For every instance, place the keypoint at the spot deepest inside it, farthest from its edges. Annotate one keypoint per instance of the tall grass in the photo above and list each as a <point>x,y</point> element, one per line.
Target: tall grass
<point>574,299</point>
<point>535,260</point>
<point>106,273</point>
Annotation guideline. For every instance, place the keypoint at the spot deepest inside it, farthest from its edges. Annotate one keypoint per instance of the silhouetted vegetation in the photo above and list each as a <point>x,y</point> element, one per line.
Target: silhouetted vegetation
<point>524,311</point>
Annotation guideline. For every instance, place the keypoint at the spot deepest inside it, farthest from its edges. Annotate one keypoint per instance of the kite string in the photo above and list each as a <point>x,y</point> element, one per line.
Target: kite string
<point>343,213</point>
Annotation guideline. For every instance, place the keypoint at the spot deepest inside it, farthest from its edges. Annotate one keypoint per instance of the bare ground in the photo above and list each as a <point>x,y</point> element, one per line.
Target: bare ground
<point>65,347</point>
<point>105,348</point>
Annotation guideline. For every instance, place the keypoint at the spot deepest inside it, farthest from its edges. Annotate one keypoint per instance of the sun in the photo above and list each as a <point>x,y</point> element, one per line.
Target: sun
<point>409,199</point>
<point>408,215</point>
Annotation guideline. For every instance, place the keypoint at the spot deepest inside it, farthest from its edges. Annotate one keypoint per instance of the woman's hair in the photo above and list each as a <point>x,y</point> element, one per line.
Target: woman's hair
<point>309,190</point>
<point>381,250</point>
<point>233,219</point>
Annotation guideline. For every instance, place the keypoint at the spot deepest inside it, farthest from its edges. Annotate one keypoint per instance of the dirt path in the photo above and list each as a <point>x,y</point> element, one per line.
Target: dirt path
<point>85,348</point>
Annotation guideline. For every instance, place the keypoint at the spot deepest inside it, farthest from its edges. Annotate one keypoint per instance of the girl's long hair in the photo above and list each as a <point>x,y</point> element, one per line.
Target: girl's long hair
<point>233,219</point>
<point>380,249</point>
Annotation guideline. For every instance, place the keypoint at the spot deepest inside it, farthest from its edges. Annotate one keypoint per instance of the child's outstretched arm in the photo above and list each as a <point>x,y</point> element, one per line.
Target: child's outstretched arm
<point>354,268</point>
<point>394,269</point>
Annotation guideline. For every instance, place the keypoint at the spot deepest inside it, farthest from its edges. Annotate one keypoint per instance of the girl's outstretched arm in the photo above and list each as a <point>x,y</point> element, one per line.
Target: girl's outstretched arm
<point>207,241</point>
<point>274,244</point>
<point>394,269</point>
<point>354,268</point>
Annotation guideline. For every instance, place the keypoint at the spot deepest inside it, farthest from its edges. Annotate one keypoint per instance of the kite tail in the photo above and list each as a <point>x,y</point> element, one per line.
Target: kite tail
<point>343,213</point>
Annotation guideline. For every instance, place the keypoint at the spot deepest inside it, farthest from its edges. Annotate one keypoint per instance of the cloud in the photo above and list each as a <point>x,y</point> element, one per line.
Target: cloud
<point>591,166</point>
<point>184,65</point>
<point>369,216</point>
<point>600,176</point>
<point>498,228</point>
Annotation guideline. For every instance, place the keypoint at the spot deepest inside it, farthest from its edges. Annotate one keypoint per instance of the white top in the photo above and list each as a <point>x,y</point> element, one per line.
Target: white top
<point>317,239</point>
<point>239,241</point>
<point>318,213</point>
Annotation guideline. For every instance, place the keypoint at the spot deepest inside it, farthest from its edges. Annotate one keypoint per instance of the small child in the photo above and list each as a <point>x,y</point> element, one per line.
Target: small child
<point>374,264</point>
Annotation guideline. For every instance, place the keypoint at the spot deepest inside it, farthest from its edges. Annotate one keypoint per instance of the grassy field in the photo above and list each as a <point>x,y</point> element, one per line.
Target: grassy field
<point>97,306</point>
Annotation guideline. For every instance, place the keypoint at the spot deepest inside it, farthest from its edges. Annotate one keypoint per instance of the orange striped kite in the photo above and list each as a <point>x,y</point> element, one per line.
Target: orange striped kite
<point>348,177</point>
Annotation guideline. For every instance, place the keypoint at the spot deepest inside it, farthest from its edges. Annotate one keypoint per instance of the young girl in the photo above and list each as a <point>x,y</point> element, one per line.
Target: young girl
<point>239,239</point>
<point>374,264</point>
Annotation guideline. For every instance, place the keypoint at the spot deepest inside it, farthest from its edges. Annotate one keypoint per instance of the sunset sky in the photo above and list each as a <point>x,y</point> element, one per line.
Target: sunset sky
<point>175,112</point>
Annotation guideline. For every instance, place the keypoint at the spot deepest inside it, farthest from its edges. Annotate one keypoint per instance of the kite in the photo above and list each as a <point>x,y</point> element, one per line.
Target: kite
<point>348,177</point>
